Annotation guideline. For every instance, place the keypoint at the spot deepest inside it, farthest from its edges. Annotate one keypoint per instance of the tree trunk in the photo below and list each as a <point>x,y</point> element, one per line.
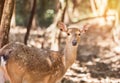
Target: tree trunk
<point>93,7</point>
<point>13,21</point>
<point>4,31</point>
<point>5,22</point>
<point>30,22</point>
<point>1,8</point>
<point>34,22</point>
<point>101,6</point>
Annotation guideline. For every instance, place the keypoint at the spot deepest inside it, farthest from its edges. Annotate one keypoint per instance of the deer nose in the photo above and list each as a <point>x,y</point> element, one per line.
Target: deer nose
<point>74,42</point>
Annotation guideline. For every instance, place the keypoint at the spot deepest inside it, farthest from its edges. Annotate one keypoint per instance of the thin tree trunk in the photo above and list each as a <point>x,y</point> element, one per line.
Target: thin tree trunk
<point>34,22</point>
<point>5,22</point>
<point>64,11</point>
<point>30,22</point>
<point>101,6</point>
<point>13,21</point>
<point>93,7</point>
<point>1,8</point>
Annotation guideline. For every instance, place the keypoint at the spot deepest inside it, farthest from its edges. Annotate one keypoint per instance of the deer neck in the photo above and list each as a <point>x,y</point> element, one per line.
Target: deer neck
<point>70,53</point>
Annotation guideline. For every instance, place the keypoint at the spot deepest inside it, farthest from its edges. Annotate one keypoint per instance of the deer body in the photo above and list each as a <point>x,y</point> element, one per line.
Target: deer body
<point>31,65</point>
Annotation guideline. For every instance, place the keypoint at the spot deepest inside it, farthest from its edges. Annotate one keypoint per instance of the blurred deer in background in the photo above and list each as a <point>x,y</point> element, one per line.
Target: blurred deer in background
<point>31,65</point>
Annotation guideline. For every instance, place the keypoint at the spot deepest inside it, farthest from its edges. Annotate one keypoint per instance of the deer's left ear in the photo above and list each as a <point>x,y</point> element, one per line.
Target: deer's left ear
<point>85,28</point>
<point>62,26</point>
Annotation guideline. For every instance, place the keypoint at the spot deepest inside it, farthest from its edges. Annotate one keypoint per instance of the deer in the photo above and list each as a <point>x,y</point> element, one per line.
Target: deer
<point>26,64</point>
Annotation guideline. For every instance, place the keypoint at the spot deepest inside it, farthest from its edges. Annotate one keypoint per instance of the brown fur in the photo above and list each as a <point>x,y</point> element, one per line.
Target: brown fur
<point>25,62</point>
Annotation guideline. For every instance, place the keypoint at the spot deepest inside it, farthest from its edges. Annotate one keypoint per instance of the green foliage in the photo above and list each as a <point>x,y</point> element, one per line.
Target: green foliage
<point>44,12</point>
<point>22,12</point>
<point>46,18</point>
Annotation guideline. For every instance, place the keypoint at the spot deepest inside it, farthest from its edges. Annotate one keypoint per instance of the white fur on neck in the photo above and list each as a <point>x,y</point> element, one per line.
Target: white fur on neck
<point>70,53</point>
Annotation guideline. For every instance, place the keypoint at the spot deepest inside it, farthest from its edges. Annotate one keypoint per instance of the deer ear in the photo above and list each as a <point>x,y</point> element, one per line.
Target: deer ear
<point>85,28</point>
<point>62,26</point>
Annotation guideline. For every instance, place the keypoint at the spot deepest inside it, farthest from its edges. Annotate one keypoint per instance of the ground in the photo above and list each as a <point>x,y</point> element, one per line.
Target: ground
<point>98,58</point>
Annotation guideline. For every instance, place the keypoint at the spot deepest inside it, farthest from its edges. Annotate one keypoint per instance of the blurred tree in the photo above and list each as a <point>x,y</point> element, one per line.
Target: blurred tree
<point>77,10</point>
<point>114,6</point>
<point>13,21</point>
<point>1,8</point>
<point>93,7</point>
<point>5,22</point>
<point>4,33</point>
<point>30,21</point>
<point>76,4</point>
<point>98,7</point>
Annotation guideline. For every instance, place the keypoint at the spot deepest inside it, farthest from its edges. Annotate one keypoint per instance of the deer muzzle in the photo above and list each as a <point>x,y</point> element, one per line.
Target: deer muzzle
<point>74,42</point>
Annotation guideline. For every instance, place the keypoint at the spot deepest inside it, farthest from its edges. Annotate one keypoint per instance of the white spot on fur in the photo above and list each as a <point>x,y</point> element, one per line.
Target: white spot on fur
<point>3,62</point>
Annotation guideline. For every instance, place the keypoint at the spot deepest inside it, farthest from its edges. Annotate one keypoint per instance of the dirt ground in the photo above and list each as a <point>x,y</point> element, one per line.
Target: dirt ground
<point>98,58</point>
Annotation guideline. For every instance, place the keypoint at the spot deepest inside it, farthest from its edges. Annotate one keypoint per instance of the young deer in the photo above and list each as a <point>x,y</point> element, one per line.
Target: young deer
<point>32,65</point>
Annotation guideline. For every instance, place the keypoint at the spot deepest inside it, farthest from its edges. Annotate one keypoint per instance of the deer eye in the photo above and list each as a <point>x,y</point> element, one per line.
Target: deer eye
<point>79,34</point>
<point>68,34</point>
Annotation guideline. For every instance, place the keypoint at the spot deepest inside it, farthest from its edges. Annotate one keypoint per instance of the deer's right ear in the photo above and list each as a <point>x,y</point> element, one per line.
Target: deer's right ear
<point>62,26</point>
